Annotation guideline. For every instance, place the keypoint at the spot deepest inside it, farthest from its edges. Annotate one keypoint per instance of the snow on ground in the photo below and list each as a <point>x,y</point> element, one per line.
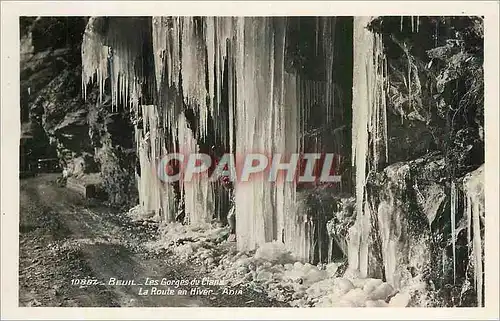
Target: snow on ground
<point>273,269</point>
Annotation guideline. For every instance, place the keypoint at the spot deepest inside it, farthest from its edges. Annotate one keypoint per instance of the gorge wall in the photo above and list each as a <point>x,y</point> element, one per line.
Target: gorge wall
<point>85,135</point>
<point>398,99</point>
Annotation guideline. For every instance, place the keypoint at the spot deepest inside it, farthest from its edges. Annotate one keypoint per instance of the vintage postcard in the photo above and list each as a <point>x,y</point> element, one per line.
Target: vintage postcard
<point>176,159</point>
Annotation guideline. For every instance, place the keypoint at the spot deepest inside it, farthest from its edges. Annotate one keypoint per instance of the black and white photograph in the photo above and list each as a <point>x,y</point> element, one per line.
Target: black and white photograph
<point>283,161</point>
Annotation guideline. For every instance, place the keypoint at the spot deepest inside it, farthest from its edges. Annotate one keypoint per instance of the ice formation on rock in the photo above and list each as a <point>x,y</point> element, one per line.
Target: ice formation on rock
<point>113,48</point>
<point>369,130</point>
<point>473,185</point>
<point>194,82</point>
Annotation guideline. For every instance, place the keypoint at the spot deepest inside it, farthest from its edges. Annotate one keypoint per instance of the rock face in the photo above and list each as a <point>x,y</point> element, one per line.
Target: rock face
<point>83,133</point>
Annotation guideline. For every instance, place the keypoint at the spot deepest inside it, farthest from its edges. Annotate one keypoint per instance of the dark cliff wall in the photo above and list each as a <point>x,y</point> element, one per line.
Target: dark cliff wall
<point>83,133</point>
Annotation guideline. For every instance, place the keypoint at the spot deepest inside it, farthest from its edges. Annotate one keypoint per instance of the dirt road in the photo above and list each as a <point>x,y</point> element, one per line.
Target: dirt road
<point>64,237</point>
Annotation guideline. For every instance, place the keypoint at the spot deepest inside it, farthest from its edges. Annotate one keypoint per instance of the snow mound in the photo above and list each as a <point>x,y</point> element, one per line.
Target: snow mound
<point>273,269</point>
<point>274,252</point>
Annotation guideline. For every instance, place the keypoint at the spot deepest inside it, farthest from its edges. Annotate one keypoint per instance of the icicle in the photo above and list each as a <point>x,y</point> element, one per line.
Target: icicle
<point>384,109</point>
<point>266,117</point>
<point>360,127</point>
<point>363,47</point>
<point>254,91</point>
<point>473,185</point>
<point>478,255</point>
<point>193,71</point>
<point>159,32</point>
<point>410,98</point>
<point>453,208</point>
<point>436,34</point>
<point>316,42</point>
<point>389,243</point>
<point>268,108</point>
<point>212,57</point>
<point>328,34</point>
<point>468,213</point>
<point>94,56</point>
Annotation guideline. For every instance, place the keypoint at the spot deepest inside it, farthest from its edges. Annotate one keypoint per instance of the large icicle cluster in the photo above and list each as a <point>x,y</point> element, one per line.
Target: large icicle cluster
<point>230,72</point>
<point>369,130</point>
<point>257,90</point>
